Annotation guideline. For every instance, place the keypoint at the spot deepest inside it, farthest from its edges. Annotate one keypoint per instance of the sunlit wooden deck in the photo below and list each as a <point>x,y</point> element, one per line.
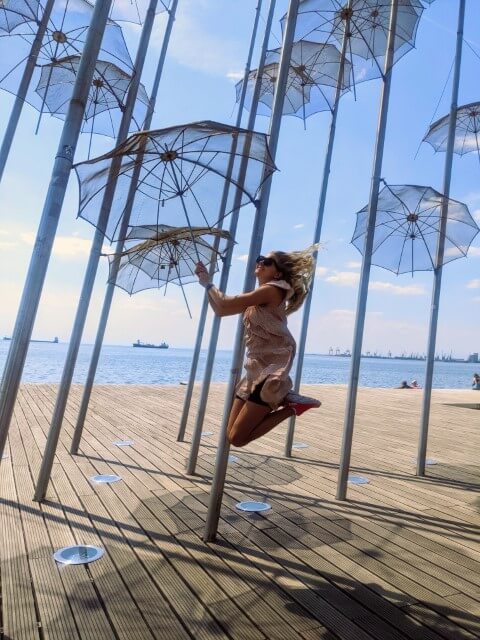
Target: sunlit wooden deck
<point>400,559</point>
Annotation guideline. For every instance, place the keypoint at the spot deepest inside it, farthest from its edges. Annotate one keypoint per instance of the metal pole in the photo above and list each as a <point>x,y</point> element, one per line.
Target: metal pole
<point>318,228</point>
<point>107,303</point>
<point>437,273</point>
<point>23,87</point>
<point>89,279</point>
<point>212,347</point>
<point>220,471</point>
<point>366,264</point>
<point>49,221</point>
<point>204,309</point>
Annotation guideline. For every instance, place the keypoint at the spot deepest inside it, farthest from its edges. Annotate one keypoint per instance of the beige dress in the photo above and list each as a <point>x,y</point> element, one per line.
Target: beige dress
<point>270,351</point>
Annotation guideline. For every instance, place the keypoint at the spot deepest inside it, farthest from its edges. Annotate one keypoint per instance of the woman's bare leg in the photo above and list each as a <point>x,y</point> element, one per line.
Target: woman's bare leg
<point>254,420</point>
<point>269,422</point>
<point>237,406</point>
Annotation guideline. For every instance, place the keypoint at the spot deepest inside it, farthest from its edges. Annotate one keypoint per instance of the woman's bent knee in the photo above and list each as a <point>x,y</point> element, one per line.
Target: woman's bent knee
<point>236,439</point>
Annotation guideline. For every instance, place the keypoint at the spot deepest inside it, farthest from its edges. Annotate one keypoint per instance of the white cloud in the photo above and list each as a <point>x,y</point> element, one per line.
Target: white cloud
<point>242,258</point>
<point>342,313</point>
<point>8,245</point>
<point>235,75</point>
<point>474,252</point>
<point>352,278</point>
<point>195,45</point>
<point>335,329</point>
<point>298,226</point>
<point>474,284</point>
<point>353,265</point>
<point>398,290</point>
<point>67,246</point>
<point>476,215</point>
<point>344,278</point>
<point>321,271</point>
<point>454,251</point>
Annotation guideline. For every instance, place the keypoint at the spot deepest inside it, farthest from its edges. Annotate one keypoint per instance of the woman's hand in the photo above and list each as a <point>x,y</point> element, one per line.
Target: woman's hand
<point>202,273</point>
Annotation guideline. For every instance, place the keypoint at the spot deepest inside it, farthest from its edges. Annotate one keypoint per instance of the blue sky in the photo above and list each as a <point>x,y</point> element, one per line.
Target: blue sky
<point>207,55</point>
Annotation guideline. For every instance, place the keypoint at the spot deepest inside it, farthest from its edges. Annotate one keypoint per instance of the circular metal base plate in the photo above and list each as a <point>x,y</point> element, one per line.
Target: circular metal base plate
<point>358,480</point>
<point>105,478</point>
<point>78,554</point>
<point>428,461</point>
<point>252,506</point>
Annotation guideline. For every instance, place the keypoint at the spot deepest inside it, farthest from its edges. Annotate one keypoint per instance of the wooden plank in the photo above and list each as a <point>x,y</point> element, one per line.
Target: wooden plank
<point>399,559</point>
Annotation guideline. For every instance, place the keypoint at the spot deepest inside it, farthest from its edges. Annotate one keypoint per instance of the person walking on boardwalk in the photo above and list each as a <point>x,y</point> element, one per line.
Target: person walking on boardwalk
<point>476,382</point>
<point>264,397</point>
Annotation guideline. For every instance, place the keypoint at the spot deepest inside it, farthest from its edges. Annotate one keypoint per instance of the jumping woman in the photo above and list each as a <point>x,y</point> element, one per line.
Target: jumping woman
<point>264,397</point>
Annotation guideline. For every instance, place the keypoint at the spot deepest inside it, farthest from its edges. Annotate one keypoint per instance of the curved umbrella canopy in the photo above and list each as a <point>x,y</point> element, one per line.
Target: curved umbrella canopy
<point>15,12</point>
<point>368,26</point>
<point>134,10</point>
<point>311,84</point>
<point>467,130</point>
<point>107,95</point>
<point>65,36</point>
<point>182,176</point>
<point>156,256</point>
<point>408,226</point>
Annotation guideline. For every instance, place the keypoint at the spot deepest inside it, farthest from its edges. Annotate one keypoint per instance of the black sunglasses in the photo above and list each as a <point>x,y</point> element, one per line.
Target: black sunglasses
<point>267,262</point>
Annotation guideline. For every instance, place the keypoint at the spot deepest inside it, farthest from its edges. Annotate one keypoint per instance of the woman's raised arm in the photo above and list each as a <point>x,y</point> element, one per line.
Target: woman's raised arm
<point>224,305</point>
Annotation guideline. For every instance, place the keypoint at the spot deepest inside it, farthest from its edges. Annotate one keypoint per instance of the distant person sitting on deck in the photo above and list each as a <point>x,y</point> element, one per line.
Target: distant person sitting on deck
<point>476,382</point>
<point>404,385</point>
<point>264,397</point>
<point>414,384</point>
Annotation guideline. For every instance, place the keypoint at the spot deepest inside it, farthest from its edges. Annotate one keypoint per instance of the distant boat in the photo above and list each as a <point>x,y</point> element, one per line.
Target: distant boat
<point>147,345</point>
<point>54,341</point>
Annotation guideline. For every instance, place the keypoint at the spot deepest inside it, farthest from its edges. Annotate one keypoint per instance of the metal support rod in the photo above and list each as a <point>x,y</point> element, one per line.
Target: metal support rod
<point>366,263</point>
<point>221,462</point>
<point>49,221</point>
<point>204,309</point>
<point>107,302</point>
<point>24,85</point>
<point>214,333</point>
<point>437,273</point>
<point>93,260</point>
<point>318,227</point>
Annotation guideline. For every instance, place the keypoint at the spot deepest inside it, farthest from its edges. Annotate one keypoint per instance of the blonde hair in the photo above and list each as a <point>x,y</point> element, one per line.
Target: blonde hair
<point>298,269</point>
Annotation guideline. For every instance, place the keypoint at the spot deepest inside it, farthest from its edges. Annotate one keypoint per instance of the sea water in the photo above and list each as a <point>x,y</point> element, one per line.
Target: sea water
<point>129,365</point>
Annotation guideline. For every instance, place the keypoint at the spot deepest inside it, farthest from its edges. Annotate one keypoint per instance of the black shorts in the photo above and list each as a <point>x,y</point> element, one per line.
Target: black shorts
<point>255,395</point>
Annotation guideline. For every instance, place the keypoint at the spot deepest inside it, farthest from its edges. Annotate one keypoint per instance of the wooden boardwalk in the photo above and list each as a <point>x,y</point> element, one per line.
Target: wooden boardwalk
<point>399,559</point>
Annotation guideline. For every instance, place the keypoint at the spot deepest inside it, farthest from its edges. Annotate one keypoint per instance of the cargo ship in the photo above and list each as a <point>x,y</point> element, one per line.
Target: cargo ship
<point>148,345</point>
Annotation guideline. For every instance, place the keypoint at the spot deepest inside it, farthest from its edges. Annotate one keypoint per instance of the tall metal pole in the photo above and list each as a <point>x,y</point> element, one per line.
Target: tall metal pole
<point>366,264</point>
<point>107,303</point>
<point>220,471</point>
<point>23,87</point>
<point>318,227</point>
<point>204,309</point>
<point>49,221</point>
<point>212,347</point>
<point>437,273</point>
<point>91,271</point>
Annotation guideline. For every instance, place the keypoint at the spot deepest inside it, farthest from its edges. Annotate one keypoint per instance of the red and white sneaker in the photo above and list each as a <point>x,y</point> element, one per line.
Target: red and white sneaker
<point>300,403</point>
